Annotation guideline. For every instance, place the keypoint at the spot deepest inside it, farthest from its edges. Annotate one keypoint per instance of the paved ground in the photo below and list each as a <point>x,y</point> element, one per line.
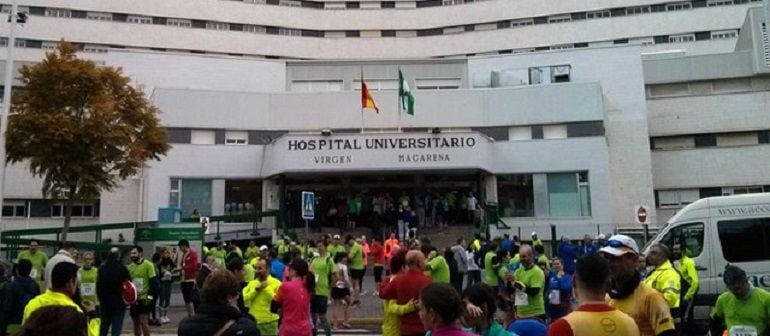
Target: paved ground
<point>365,319</point>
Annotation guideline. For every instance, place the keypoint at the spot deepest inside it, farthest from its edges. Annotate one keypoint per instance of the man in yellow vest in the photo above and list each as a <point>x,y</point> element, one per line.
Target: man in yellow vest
<point>594,316</point>
<point>664,278</point>
<point>690,282</point>
<point>258,295</point>
<point>64,284</point>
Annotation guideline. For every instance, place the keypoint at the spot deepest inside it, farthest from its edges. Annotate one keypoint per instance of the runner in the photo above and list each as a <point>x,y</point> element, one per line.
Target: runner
<point>324,269</point>
<point>742,309</point>
<point>142,272</point>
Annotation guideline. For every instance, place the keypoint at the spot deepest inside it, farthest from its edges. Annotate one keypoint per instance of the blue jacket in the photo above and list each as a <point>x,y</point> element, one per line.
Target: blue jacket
<point>584,250</point>
<point>568,255</point>
<point>564,286</point>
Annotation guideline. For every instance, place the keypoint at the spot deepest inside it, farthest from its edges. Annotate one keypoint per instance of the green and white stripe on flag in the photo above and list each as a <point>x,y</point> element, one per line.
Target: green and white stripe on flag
<point>405,94</point>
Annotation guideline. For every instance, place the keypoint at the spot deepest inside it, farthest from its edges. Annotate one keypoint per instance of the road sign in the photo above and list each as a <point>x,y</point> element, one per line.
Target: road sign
<point>168,234</point>
<point>308,205</point>
<point>641,214</point>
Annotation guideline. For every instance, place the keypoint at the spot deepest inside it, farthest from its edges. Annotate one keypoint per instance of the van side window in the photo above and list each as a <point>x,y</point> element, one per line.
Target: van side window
<point>745,239</point>
<point>690,235</point>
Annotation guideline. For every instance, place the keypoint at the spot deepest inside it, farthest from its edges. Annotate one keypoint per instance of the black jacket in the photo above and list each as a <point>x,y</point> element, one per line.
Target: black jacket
<point>211,317</point>
<point>109,285</point>
<point>17,294</point>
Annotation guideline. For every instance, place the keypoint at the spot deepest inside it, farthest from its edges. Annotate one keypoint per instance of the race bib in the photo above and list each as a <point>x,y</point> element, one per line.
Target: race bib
<point>33,273</point>
<point>88,289</point>
<point>521,298</point>
<point>741,330</point>
<point>139,283</point>
<point>553,297</point>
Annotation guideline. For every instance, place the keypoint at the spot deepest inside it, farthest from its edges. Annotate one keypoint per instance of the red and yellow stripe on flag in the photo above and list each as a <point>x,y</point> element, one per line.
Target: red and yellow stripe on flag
<point>366,98</point>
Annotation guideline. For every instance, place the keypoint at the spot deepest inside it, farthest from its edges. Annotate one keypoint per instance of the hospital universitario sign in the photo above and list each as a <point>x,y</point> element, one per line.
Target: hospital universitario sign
<point>377,151</point>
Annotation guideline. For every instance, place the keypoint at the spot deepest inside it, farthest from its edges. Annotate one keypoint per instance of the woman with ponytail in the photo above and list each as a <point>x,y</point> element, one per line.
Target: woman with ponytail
<point>293,298</point>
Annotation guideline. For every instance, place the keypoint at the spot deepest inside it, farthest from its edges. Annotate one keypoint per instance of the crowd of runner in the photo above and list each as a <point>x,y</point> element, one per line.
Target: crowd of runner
<point>483,287</point>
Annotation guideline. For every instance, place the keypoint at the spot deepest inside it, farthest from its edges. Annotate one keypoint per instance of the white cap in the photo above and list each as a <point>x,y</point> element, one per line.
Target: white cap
<point>263,247</point>
<point>601,236</point>
<point>619,245</point>
<point>336,236</point>
<point>534,233</point>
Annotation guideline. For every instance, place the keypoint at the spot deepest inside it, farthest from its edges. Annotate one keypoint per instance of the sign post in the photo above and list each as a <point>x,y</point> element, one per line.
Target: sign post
<point>308,210</point>
<point>641,218</point>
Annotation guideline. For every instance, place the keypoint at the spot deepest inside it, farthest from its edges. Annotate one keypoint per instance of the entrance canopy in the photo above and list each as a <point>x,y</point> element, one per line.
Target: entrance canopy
<point>377,152</point>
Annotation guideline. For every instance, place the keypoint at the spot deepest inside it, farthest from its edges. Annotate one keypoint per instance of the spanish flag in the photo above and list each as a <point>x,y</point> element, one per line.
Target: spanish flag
<point>366,97</point>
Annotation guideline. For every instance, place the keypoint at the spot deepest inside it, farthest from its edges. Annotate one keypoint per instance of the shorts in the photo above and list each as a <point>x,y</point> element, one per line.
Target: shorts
<point>141,307</point>
<point>340,293</point>
<point>189,292</point>
<point>319,304</point>
<point>357,274</point>
<point>378,273</point>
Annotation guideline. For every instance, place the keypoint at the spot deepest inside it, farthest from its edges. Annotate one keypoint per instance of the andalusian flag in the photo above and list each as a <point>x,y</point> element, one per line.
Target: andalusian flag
<point>407,99</point>
<point>366,97</point>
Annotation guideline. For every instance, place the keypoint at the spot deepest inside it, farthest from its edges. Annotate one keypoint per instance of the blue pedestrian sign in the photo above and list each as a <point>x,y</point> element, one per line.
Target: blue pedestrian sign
<point>308,205</point>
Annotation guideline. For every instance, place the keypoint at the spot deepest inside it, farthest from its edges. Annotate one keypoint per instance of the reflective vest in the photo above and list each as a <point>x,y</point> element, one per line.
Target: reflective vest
<point>666,280</point>
<point>686,268</point>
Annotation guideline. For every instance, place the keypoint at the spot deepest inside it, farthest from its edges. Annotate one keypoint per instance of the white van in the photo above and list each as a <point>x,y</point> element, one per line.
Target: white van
<point>718,231</point>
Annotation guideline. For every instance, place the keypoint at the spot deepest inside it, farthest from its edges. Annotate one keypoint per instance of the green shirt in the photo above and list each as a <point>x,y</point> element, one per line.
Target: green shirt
<point>531,278</point>
<point>333,249</point>
<point>491,277</point>
<point>753,311</point>
<point>322,267</point>
<point>38,260</point>
<point>356,257</point>
<point>219,254</point>
<point>141,274</point>
<point>439,270</point>
<point>88,284</point>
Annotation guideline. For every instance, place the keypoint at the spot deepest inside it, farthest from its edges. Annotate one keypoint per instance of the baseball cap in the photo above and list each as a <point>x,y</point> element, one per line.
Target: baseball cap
<point>336,236</point>
<point>619,245</point>
<point>263,247</point>
<point>534,233</point>
<point>601,236</point>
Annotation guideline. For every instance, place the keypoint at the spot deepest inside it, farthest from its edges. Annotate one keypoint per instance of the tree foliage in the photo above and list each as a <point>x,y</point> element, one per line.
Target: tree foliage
<point>81,127</point>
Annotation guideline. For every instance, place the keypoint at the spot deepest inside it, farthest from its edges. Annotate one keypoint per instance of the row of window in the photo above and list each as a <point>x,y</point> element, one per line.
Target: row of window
<point>359,5</point>
<point>708,140</point>
<point>677,198</point>
<point>559,18</point>
<point>708,87</point>
<point>46,208</point>
<point>742,240</point>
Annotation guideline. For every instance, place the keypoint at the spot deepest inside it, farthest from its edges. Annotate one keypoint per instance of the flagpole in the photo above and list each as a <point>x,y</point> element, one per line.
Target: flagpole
<point>400,83</point>
<point>362,93</point>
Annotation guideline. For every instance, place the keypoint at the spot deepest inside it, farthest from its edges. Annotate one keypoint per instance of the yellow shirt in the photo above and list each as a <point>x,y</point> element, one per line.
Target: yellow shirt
<point>259,301</point>
<point>391,319</point>
<point>648,309</point>
<point>600,320</point>
<point>667,281</point>
<point>51,298</point>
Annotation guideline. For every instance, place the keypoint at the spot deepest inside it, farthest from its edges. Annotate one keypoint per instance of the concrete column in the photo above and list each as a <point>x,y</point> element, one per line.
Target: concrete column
<point>490,188</point>
<point>540,190</point>
<point>217,197</point>
<point>270,200</point>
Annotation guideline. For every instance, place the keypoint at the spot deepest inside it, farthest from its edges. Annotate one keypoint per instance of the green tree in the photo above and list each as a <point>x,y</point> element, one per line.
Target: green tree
<point>81,127</point>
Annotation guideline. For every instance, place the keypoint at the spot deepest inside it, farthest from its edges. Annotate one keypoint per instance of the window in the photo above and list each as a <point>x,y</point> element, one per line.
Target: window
<point>99,16</point>
<point>20,9</point>
<point>763,137</point>
<point>714,3</point>
<point>745,240</point>
<point>678,6</point>
<point>522,22</point>
<point>681,38</point>
<point>377,84</point>
<point>705,140</point>
<point>202,137</point>
<point>452,2</point>
<point>316,85</point>
<point>554,131</point>
<point>139,19</point>
<point>388,33</point>
<point>677,198</point>
<point>289,32</point>
<point>254,29</point>
<point>515,195</point>
<point>562,46</point>
<point>747,190</point>
<point>242,196</point>
<point>79,209</point>
<point>217,25</point>
<point>598,15</point>
<point>236,138</point>
<point>637,10</point>
<point>388,4</point>
<point>58,12</point>
<point>179,23</point>
<point>290,3</point>
<point>559,18</point>
<point>549,74</point>
<point>173,195</point>
<point>724,34</point>
<point>14,209</point>
<point>690,235</point>
<point>569,195</point>
<point>95,48</point>
<point>352,5</point>
<point>438,84</point>
<point>47,45</point>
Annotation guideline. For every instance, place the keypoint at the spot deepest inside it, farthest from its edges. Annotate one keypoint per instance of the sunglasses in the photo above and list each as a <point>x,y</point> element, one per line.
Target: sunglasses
<point>617,244</point>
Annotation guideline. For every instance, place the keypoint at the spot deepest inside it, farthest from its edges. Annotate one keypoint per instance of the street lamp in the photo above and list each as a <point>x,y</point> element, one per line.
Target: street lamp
<point>14,18</point>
